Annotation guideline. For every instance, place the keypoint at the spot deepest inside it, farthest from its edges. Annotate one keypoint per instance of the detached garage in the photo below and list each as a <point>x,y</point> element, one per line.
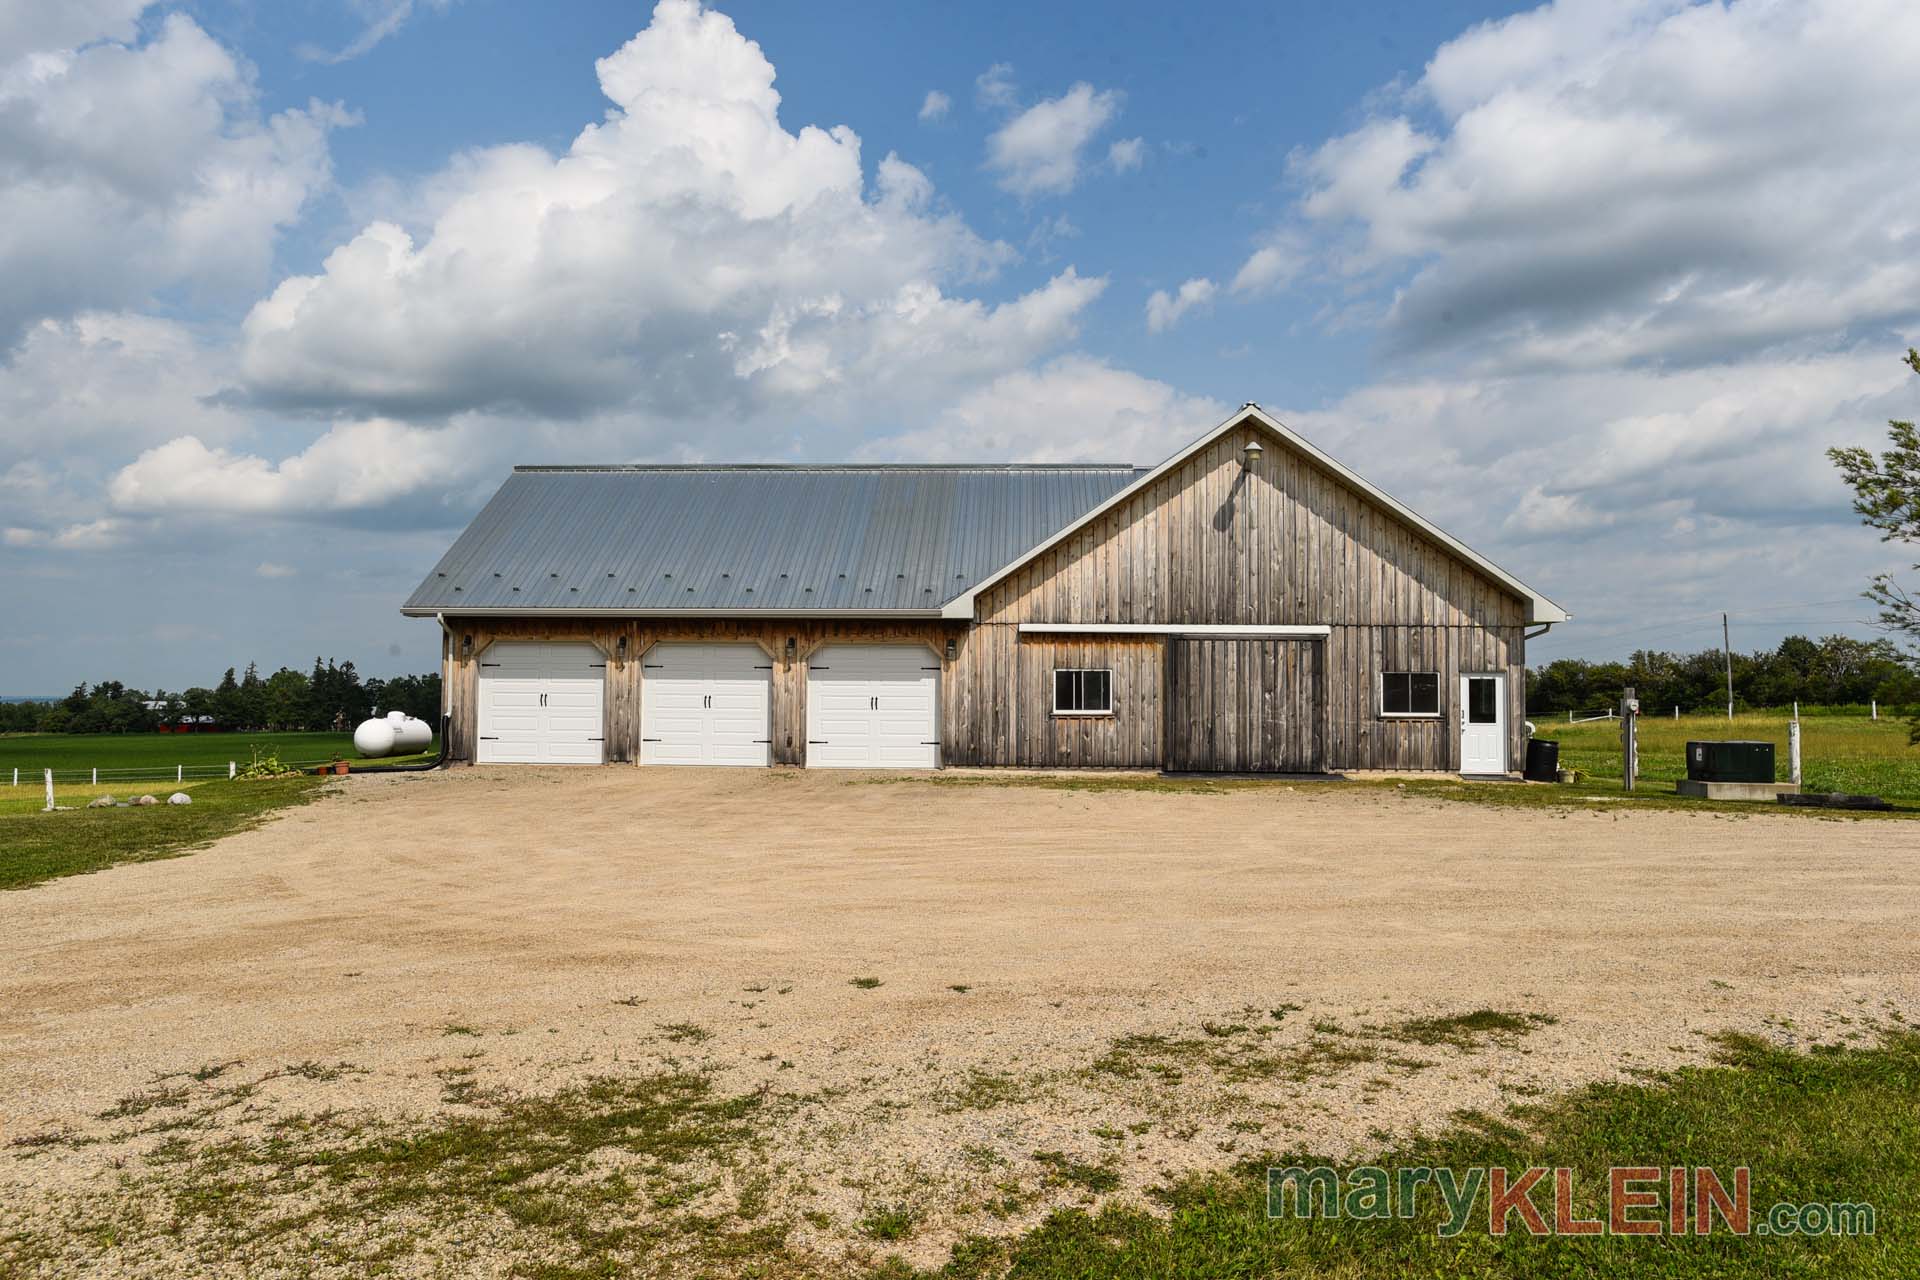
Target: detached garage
<point>1248,605</point>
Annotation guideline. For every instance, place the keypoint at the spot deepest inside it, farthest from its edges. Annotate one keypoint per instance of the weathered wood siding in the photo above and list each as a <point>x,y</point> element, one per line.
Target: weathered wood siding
<point>1246,706</point>
<point>460,670</point>
<point>1283,543</point>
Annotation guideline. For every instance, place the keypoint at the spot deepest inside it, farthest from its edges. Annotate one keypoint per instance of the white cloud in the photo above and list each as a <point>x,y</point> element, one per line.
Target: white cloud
<point>270,569</point>
<point>127,167</point>
<point>1040,151</point>
<point>91,535</point>
<point>1127,154</point>
<point>935,106</point>
<point>1589,184</point>
<point>1164,309</point>
<point>14,536</point>
<point>1270,267</point>
<point>1072,409</point>
<point>33,26</point>
<point>994,89</point>
<point>382,18</point>
<point>355,466</point>
<point>687,259</point>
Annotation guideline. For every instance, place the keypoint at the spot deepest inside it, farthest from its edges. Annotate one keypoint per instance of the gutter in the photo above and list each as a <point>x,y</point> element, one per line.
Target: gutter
<point>562,611</point>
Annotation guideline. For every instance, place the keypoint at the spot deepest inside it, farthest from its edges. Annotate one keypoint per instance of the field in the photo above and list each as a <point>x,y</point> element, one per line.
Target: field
<point>153,755</point>
<point>561,1023</point>
<point>1838,753</point>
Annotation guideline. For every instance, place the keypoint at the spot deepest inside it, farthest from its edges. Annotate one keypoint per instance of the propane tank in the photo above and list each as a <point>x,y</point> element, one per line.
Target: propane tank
<point>409,735</point>
<point>374,738</point>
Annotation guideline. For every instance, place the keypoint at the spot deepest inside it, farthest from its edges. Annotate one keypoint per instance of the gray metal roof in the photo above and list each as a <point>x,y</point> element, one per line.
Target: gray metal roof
<point>754,539</point>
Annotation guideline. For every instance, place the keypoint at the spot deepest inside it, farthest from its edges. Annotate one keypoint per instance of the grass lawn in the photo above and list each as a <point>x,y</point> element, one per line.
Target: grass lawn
<point>1837,753</point>
<point>35,847</point>
<point>153,753</point>
<point>608,1178</point>
<point>1837,1125</point>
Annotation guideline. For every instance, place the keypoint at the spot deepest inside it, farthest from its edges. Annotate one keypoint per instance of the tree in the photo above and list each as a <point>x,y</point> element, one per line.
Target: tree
<point>1886,494</point>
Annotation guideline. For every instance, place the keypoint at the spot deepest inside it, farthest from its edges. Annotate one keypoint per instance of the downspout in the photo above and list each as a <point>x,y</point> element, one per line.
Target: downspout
<point>1535,635</point>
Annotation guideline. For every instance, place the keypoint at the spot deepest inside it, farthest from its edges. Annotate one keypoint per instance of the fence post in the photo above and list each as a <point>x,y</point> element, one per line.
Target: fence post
<point>96,775</point>
<point>16,777</point>
<point>1676,711</point>
<point>179,773</point>
<point>1876,708</point>
<point>1629,741</point>
<point>233,767</point>
<point>1793,749</point>
<point>49,791</point>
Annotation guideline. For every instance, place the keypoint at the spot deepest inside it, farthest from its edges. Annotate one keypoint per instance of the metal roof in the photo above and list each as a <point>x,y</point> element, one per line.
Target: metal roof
<point>754,539</point>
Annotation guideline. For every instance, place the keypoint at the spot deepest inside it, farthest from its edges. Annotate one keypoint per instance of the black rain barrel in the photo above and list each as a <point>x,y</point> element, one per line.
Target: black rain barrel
<point>1543,760</point>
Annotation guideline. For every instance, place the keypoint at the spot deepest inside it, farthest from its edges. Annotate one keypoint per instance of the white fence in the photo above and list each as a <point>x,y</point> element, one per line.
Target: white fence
<point>152,773</point>
<point>1582,717</point>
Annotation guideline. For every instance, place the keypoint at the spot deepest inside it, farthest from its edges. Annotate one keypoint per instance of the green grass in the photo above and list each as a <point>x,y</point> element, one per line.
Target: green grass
<point>1829,1126</point>
<point>67,752</point>
<point>1838,753</point>
<point>36,847</point>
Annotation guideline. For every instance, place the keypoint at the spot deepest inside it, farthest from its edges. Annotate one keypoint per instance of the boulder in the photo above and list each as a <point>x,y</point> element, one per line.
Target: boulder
<point>179,797</point>
<point>146,800</point>
<point>100,802</point>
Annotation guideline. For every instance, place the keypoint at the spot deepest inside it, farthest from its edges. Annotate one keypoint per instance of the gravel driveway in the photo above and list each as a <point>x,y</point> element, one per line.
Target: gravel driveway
<point>1142,981</point>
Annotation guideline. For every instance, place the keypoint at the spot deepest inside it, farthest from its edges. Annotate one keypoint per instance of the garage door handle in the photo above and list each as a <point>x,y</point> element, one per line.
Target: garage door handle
<point>652,666</point>
<point>489,664</point>
<point>649,739</point>
<point>758,741</point>
<point>763,666</point>
<point>817,742</point>
<point>485,737</point>
<point>934,743</point>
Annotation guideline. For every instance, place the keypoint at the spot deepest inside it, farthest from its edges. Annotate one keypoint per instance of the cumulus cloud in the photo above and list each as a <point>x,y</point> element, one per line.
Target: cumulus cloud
<point>688,258</point>
<point>1164,309</point>
<point>271,569</point>
<point>1272,266</point>
<point>1588,184</point>
<point>1072,409</point>
<point>129,165</point>
<point>935,106</point>
<point>1041,150</point>
<point>1127,154</point>
<point>355,466</point>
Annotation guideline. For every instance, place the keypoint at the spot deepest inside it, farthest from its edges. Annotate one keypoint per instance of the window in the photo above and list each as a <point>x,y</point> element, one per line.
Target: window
<point>1410,693</point>
<point>1082,693</point>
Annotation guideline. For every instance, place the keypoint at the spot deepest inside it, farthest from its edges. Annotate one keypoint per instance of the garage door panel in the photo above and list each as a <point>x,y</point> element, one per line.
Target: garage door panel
<point>873,707</point>
<point>541,703</point>
<point>705,704</point>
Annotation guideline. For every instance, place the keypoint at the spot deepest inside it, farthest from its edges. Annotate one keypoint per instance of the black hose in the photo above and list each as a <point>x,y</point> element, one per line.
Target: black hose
<point>446,723</point>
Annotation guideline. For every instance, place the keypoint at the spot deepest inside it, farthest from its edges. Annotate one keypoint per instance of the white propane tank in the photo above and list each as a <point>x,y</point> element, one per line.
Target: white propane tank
<point>409,734</point>
<point>374,738</point>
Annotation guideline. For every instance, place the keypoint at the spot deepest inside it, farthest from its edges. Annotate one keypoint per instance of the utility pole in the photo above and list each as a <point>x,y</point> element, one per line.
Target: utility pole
<point>1726,647</point>
<point>1629,738</point>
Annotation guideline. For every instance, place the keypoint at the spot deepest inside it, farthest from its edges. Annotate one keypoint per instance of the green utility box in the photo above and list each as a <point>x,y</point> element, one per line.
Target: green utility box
<point>1730,762</point>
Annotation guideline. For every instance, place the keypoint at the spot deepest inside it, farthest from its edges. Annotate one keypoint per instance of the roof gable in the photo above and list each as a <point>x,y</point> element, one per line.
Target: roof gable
<point>1540,609</point>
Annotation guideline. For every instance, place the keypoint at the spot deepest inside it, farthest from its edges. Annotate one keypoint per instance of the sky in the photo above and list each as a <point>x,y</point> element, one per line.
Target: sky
<point>289,286</point>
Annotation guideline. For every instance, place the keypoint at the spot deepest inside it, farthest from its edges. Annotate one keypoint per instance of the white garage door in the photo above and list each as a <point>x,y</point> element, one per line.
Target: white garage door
<point>706,704</point>
<point>873,706</point>
<point>541,703</point>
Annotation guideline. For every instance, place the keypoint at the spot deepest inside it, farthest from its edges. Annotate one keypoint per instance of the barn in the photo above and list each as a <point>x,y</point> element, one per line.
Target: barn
<point>1248,605</point>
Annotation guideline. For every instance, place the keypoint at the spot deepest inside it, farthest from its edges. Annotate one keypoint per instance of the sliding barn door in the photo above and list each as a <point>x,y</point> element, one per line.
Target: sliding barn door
<point>1246,706</point>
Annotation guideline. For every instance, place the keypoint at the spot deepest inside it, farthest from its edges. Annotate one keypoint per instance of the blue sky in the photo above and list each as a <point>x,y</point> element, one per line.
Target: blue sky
<point>1593,284</point>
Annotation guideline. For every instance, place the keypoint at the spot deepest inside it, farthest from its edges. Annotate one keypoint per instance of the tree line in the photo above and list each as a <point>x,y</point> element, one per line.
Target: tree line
<point>332,696</point>
<point>1832,671</point>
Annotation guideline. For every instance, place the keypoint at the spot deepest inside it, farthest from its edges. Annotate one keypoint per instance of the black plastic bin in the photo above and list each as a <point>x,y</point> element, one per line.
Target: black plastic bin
<point>1543,760</point>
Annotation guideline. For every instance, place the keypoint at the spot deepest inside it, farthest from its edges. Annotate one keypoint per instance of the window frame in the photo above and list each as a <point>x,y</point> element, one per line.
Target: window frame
<point>1380,700</point>
<point>1077,714</point>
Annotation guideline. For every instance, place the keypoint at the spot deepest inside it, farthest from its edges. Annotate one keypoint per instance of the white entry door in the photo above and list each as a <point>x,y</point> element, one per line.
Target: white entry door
<point>541,704</point>
<point>706,704</point>
<point>873,706</point>
<point>1483,724</point>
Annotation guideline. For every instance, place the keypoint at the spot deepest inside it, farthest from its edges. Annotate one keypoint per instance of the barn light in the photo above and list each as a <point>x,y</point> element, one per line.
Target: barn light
<point>1250,454</point>
<point>466,646</point>
<point>790,648</point>
<point>620,648</point>
<point>950,649</point>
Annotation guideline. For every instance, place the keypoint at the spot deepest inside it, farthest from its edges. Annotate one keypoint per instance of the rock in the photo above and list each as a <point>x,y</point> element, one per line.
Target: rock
<point>179,797</point>
<point>146,800</point>
<point>100,802</point>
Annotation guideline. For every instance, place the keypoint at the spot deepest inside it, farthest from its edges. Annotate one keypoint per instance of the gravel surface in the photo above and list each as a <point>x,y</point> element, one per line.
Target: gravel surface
<point>529,929</point>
